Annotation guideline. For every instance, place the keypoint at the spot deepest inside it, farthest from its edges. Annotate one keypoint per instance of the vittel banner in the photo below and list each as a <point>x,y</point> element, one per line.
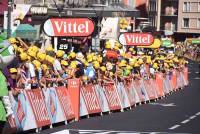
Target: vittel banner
<point>136,39</point>
<point>70,27</point>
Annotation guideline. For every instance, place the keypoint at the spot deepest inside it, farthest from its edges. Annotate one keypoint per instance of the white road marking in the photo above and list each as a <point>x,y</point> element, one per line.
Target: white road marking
<point>164,104</point>
<point>69,131</point>
<point>174,127</point>
<point>196,78</point>
<point>185,121</point>
<point>192,117</point>
<point>198,113</point>
<point>62,132</point>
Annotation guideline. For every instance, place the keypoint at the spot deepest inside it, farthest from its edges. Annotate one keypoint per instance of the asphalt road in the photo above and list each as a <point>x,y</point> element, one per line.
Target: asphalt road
<point>177,113</point>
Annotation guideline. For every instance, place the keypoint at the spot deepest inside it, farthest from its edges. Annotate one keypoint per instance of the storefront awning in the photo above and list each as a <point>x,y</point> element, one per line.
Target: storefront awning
<point>119,10</point>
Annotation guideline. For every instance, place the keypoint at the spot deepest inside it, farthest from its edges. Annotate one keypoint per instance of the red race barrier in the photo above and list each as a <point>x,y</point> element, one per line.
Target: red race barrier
<point>112,96</point>
<point>166,85</point>
<point>150,90</point>
<point>74,93</point>
<point>91,99</point>
<point>65,102</point>
<point>130,92</point>
<point>159,82</point>
<point>156,89</point>
<point>174,79</point>
<point>137,85</point>
<point>185,73</point>
<point>37,102</point>
<point>180,82</point>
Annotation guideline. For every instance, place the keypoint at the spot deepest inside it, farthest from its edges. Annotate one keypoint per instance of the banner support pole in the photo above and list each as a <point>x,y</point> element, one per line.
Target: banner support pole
<point>10,3</point>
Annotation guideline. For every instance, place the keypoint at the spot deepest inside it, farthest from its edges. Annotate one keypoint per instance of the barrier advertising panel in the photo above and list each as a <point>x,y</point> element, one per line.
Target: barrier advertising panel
<point>159,82</point>
<point>174,79</point>
<point>53,105</point>
<point>166,85</point>
<point>130,92</point>
<point>23,114</point>
<point>150,90</point>
<point>83,108</point>
<point>154,86</point>
<point>112,96</point>
<point>123,96</point>
<point>65,102</point>
<point>91,99</point>
<point>102,98</point>
<point>180,83</point>
<point>37,103</point>
<point>74,93</point>
<point>185,72</point>
<point>169,78</point>
<point>140,92</point>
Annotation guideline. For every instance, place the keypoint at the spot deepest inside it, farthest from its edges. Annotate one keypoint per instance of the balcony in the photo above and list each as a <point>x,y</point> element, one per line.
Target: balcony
<point>170,12</point>
<point>169,26</point>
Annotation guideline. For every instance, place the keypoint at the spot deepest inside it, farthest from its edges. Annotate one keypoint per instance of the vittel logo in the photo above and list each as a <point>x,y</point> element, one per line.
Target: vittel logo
<point>136,39</point>
<point>71,27</point>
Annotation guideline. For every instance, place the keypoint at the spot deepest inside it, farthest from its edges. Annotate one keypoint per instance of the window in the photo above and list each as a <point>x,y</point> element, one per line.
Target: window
<point>186,7</point>
<point>199,7</point>
<point>114,1</point>
<point>152,6</point>
<point>198,23</point>
<point>186,23</point>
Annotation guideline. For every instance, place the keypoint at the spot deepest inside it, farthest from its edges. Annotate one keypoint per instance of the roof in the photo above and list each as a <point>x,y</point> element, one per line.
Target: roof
<point>119,10</point>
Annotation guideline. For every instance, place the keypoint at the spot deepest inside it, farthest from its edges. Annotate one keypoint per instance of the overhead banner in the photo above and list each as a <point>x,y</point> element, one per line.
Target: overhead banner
<point>136,39</point>
<point>156,44</point>
<point>110,28</point>
<point>38,105</point>
<point>70,27</point>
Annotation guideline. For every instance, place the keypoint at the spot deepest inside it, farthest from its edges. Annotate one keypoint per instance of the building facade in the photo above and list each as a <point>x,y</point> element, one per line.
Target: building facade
<point>153,15</point>
<point>169,15</point>
<point>3,7</point>
<point>163,15</point>
<point>189,16</point>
